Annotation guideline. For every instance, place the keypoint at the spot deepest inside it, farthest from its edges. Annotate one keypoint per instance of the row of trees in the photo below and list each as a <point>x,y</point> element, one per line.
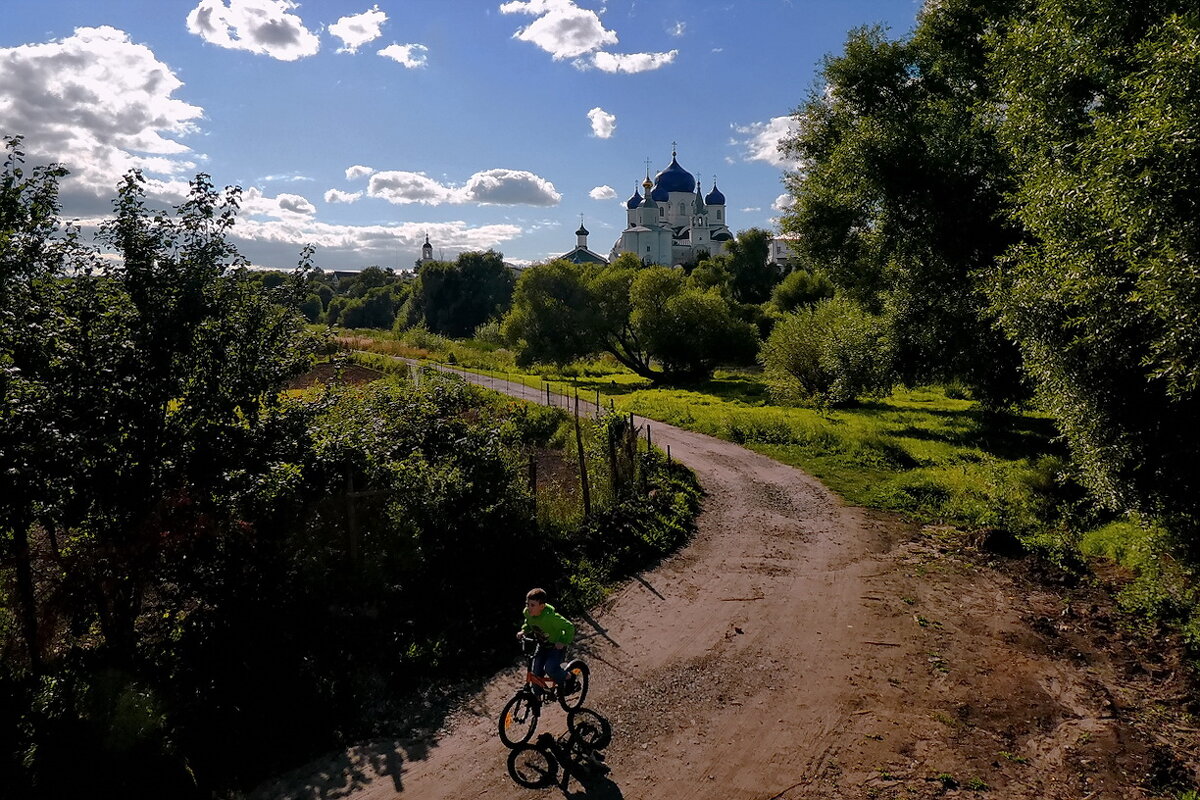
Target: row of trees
<point>1014,188</point>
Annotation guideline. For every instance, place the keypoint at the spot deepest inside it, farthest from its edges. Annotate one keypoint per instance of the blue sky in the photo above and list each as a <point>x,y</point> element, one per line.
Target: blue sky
<point>361,127</point>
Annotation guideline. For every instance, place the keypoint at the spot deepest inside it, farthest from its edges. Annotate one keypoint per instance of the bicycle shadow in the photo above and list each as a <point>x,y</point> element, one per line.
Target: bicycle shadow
<point>578,759</point>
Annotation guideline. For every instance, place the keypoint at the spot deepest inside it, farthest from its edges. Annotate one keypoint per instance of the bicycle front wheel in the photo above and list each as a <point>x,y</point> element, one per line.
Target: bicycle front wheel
<point>532,767</point>
<point>519,719</point>
<point>574,689</point>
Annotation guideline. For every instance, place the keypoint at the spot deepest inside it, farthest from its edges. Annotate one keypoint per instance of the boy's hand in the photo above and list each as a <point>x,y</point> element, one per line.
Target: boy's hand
<point>559,646</point>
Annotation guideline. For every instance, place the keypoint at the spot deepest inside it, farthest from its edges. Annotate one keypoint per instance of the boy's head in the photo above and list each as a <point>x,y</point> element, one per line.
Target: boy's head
<point>535,601</point>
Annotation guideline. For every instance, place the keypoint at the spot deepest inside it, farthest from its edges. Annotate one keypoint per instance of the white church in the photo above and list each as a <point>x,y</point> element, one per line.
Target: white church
<point>670,222</point>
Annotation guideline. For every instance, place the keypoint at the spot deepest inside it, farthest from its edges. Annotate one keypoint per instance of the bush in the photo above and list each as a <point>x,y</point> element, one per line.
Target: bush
<point>829,354</point>
<point>801,288</point>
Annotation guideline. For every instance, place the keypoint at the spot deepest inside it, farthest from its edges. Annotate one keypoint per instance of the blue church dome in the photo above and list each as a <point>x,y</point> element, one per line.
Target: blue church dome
<point>672,179</point>
<point>635,201</point>
<point>715,198</point>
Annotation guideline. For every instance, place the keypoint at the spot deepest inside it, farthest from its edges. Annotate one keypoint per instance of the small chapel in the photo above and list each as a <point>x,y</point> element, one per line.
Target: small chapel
<point>670,222</point>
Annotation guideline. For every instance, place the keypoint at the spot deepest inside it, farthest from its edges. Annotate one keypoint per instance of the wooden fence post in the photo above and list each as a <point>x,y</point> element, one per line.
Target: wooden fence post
<point>533,482</point>
<point>583,475</point>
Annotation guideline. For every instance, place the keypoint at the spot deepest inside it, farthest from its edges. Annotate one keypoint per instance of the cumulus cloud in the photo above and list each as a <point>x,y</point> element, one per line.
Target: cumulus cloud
<point>506,187</point>
<point>358,29</point>
<point>603,193</point>
<point>412,56</point>
<point>510,187</point>
<point>397,186</point>
<point>628,62</point>
<point>338,196</point>
<point>783,202</point>
<point>277,242</point>
<point>260,26</point>
<point>761,142</point>
<point>562,29</point>
<point>101,105</point>
<point>358,171</point>
<point>603,123</point>
<point>283,205</point>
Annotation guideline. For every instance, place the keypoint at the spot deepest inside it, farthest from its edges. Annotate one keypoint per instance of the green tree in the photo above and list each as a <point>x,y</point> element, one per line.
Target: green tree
<point>751,276</point>
<point>453,299</point>
<point>801,287</point>
<point>903,196</point>
<point>1102,122</point>
<point>649,319</point>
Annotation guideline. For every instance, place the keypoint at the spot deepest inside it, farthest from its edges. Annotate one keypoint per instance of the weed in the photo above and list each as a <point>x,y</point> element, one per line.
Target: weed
<point>1013,757</point>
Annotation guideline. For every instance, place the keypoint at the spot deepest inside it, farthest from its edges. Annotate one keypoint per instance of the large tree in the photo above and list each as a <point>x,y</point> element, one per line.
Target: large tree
<point>1101,118</point>
<point>454,299</point>
<point>901,198</point>
<point>649,319</point>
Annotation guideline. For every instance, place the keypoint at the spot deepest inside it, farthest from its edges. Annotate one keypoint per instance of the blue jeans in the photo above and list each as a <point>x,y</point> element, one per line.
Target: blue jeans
<point>547,661</point>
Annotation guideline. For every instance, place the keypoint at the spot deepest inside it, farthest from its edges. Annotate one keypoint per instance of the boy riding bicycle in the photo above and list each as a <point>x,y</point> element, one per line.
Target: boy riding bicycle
<point>553,632</point>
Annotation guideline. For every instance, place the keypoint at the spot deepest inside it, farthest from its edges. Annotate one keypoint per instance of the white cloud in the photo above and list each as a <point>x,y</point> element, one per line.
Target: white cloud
<point>762,142</point>
<point>101,105</point>
<point>511,187</point>
<point>751,209</point>
<point>506,187</point>
<point>412,56</point>
<point>628,62</point>
<point>562,29</point>
<point>603,123</point>
<point>293,177</point>
<point>358,29</point>
<point>783,202</point>
<point>281,206</point>
<point>259,26</point>
<point>400,187</point>
<point>338,196</point>
<point>277,242</point>
<point>603,193</point>
<point>678,29</point>
<point>358,171</point>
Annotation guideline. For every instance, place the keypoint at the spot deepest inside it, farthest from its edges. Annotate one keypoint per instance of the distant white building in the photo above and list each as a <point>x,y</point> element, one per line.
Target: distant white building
<point>426,253</point>
<point>671,223</point>
<point>581,254</point>
<point>783,250</point>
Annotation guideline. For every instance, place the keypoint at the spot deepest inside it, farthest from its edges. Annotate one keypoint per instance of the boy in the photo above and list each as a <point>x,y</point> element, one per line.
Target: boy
<point>554,631</point>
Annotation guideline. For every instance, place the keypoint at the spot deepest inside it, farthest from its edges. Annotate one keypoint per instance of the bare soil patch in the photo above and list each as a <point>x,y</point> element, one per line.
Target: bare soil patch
<point>329,374</point>
<point>802,648</point>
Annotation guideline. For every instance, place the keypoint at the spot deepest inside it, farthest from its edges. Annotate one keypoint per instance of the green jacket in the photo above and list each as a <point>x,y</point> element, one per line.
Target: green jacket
<point>558,629</point>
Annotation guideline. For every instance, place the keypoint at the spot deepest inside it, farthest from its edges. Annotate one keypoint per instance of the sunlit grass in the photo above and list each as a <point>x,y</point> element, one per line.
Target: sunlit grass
<point>918,451</point>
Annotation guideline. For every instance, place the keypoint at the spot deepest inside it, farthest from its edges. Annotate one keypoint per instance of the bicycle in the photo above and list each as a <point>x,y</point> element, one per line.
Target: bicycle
<point>535,766</point>
<point>519,718</point>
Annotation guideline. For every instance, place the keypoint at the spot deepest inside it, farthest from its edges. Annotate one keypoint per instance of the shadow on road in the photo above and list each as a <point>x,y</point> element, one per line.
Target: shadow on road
<point>573,762</point>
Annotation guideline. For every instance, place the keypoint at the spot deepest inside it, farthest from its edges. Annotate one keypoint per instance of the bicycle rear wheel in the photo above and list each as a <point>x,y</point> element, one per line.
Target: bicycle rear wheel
<point>574,689</point>
<point>519,719</point>
<point>532,767</point>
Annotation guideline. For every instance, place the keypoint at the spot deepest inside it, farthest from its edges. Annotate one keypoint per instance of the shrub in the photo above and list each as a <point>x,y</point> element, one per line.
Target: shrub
<point>829,354</point>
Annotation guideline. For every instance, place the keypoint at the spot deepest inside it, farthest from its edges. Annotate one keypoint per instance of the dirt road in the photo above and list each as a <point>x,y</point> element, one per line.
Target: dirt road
<point>800,648</point>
